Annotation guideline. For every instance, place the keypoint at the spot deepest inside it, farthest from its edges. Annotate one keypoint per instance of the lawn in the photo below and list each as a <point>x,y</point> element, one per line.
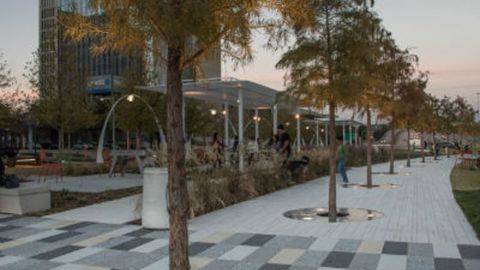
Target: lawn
<point>466,188</point>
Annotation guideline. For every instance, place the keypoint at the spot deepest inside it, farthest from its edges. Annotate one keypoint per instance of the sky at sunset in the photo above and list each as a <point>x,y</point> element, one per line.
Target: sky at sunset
<point>445,34</point>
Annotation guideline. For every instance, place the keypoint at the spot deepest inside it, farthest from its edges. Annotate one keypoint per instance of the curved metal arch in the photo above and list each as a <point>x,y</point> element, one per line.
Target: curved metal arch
<point>104,128</point>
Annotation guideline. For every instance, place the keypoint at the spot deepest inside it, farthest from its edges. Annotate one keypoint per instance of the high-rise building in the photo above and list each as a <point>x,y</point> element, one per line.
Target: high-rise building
<point>102,70</point>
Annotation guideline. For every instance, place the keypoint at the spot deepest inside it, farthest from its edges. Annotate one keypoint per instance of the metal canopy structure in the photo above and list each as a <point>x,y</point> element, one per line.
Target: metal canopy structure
<point>226,91</point>
<point>242,94</point>
<point>352,125</point>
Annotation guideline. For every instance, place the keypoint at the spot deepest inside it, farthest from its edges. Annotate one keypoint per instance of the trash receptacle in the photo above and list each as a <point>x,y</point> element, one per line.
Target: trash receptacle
<point>155,200</point>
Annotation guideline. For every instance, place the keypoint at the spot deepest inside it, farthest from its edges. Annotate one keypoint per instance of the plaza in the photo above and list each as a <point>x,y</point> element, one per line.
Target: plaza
<point>243,135</point>
<point>423,228</point>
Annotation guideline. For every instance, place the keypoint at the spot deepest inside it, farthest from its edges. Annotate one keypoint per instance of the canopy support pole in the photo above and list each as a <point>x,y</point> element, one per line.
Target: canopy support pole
<point>240,130</point>
<point>299,132</point>
<point>317,133</point>
<point>350,137</point>
<point>226,135</point>
<point>257,130</point>
<point>343,132</point>
<point>275,118</point>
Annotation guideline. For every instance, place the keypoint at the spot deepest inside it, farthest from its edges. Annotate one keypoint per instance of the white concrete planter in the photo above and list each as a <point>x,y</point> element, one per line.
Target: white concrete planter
<point>154,208</point>
<point>24,200</point>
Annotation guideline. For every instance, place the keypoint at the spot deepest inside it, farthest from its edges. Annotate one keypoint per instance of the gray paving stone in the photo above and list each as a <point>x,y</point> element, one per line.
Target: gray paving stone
<point>247,266</point>
<point>114,241</point>
<point>290,242</point>
<point>420,263</point>
<point>420,249</point>
<point>395,248</point>
<point>469,251</point>
<point>338,259</point>
<point>99,228</point>
<point>3,240</point>
<point>311,258</point>
<point>139,233</point>
<point>119,259</point>
<point>60,237</point>
<point>198,247</point>
<point>7,228</point>
<point>448,264</point>
<point>136,242</point>
<point>161,252</point>
<point>471,264</point>
<point>22,221</point>
<point>270,266</point>
<point>219,265</point>
<point>216,251</point>
<point>20,232</point>
<point>76,226</point>
<point>238,238</point>
<point>162,234</point>
<point>258,240</point>
<point>301,268</point>
<point>31,249</point>
<point>364,262</point>
<point>347,245</point>
<point>262,255</point>
<point>30,264</point>
<point>56,253</point>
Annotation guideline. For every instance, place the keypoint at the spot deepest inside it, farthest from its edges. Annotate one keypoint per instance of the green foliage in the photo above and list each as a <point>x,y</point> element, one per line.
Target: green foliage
<point>63,102</point>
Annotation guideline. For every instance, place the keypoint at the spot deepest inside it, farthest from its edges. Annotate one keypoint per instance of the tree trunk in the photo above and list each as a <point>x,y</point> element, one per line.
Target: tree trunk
<point>332,187</point>
<point>69,141</point>
<point>128,140</point>
<point>448,145</point>
<point>177,184</point>
<point>392,150</point>
<point>369,148</point>
<point>138,145</point>
<point>434,146</point>
<point>408,148</point>
<point>422,138</point>
<point>61,140</point>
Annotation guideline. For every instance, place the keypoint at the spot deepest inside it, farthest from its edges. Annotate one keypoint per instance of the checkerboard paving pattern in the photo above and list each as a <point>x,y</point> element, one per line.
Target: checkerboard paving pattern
<point>43,244</point>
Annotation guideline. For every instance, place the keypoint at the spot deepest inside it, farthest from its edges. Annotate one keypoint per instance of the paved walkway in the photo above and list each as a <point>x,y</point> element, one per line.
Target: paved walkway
<point>422,209</point>
<point>254,235</point>
<point>119,211</point>
<point>92,183</point>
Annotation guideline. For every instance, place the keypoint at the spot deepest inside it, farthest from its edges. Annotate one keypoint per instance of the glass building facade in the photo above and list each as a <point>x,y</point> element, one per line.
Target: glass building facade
<point>102,69</point>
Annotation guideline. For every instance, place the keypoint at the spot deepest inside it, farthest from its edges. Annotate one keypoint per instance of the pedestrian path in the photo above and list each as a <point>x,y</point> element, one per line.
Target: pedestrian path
<point>118,211</point>
<point>421,209</point>
<point>91,183</point>
<point>423,228</point>
<point>42,243</point>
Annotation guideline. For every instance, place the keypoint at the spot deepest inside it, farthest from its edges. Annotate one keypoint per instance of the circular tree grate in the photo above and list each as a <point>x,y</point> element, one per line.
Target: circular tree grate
<point>376,186</point>
<point>343,214</point>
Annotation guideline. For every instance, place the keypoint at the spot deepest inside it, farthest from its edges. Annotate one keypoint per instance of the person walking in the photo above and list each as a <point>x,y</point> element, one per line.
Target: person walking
<point>283,147</point>
<point>341,159</point>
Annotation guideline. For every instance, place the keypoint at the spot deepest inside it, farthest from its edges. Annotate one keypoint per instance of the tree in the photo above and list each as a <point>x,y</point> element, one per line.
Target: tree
<point>153,26</point>
<point>318,72</point>
<point>435,123</point>
<point>369,40</point>
<point>63,102</point>
<point>398,67</point>
<point>411,97</point>
<point>448,118</point>
<point>6,77</point>
<point>465,116</point>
